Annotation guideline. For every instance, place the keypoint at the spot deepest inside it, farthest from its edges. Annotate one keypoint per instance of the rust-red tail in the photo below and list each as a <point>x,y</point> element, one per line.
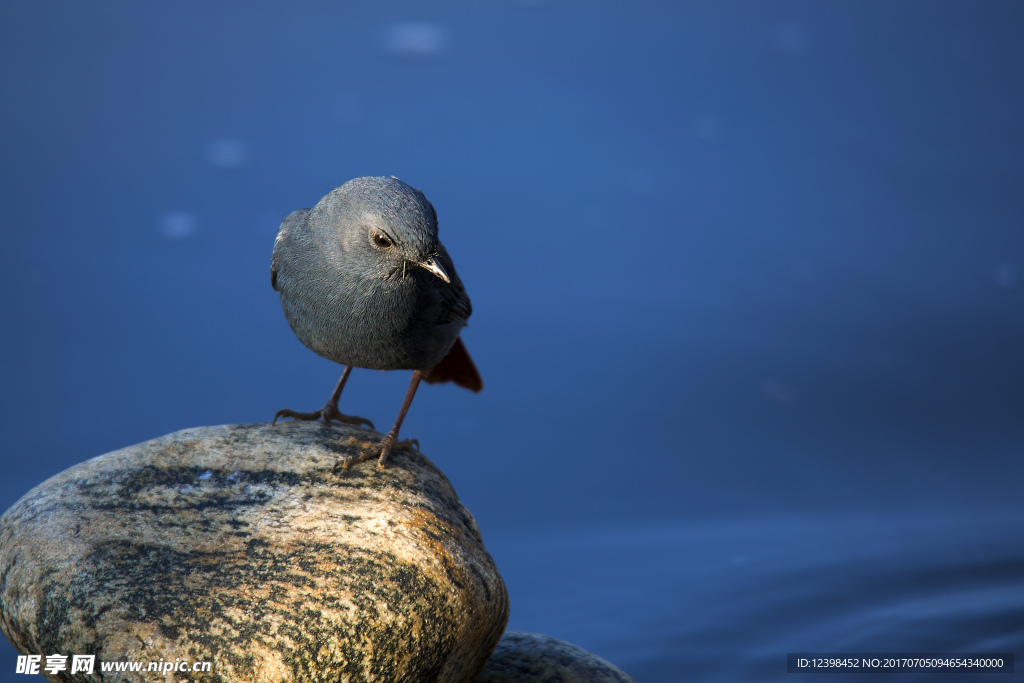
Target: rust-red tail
<point>456,367</point>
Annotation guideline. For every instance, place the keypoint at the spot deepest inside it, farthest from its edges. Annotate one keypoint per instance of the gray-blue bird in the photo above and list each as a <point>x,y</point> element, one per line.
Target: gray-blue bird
<point>365,282</point>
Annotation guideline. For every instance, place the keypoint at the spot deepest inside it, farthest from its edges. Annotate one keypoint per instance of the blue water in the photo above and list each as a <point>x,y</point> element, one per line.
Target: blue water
<point>725,601</point>
<point>747,276</point>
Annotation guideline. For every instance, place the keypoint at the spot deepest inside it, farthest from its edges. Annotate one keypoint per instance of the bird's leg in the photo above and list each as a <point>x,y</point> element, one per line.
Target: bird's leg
<point>390,442</point>
<point>330,410</point>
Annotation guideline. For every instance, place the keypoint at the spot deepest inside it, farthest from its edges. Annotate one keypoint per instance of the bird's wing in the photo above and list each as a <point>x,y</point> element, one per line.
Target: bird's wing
<point>289,222</point>
<point>455,303</point>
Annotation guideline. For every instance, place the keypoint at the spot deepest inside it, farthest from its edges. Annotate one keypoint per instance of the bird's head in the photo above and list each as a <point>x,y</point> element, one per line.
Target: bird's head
<point>392,224</point>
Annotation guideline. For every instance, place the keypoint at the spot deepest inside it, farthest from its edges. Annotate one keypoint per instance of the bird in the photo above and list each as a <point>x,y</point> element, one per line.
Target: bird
<point>364,281</point>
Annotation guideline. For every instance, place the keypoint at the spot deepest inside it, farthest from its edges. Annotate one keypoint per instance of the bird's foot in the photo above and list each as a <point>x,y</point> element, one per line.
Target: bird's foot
<point>381,451</point>
<point>327,413</point>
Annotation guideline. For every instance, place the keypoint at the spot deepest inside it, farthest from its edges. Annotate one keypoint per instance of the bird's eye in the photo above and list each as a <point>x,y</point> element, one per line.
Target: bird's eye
<point>382,240</point>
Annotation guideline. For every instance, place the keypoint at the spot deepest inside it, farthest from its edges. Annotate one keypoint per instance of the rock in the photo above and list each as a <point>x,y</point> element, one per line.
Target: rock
<point>534,658</point>
<point>236,545</point>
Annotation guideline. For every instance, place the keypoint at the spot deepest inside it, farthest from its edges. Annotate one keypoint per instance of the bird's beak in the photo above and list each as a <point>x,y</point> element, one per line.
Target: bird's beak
<point>434,267</point>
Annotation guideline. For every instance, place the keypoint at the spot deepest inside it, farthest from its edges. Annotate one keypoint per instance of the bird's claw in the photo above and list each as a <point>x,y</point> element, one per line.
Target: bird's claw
<point>286,412</point>
<point>327,413</point>
<point>332,413</point>
<point>381,451</point>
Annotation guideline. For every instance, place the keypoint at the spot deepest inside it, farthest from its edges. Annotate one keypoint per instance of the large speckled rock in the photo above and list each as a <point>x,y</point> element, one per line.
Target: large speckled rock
<point>533,658</point>
<point>236,545</point>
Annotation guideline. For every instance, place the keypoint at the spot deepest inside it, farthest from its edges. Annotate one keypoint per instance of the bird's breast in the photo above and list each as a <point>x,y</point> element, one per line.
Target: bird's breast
<point>371,322</point>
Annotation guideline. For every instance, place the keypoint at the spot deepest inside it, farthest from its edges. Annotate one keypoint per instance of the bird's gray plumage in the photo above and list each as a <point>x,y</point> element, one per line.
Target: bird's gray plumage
<point>356,302</point>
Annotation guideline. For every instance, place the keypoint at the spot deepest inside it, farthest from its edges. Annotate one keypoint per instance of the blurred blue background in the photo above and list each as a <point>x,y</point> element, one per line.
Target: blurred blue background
<point>748,282</point>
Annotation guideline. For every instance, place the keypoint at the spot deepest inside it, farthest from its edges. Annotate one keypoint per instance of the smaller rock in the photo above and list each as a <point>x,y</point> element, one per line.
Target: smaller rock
<point>534,658</point>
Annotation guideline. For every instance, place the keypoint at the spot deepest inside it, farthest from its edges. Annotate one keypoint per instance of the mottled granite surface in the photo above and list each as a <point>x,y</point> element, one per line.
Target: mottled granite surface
<point>237,545</point>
